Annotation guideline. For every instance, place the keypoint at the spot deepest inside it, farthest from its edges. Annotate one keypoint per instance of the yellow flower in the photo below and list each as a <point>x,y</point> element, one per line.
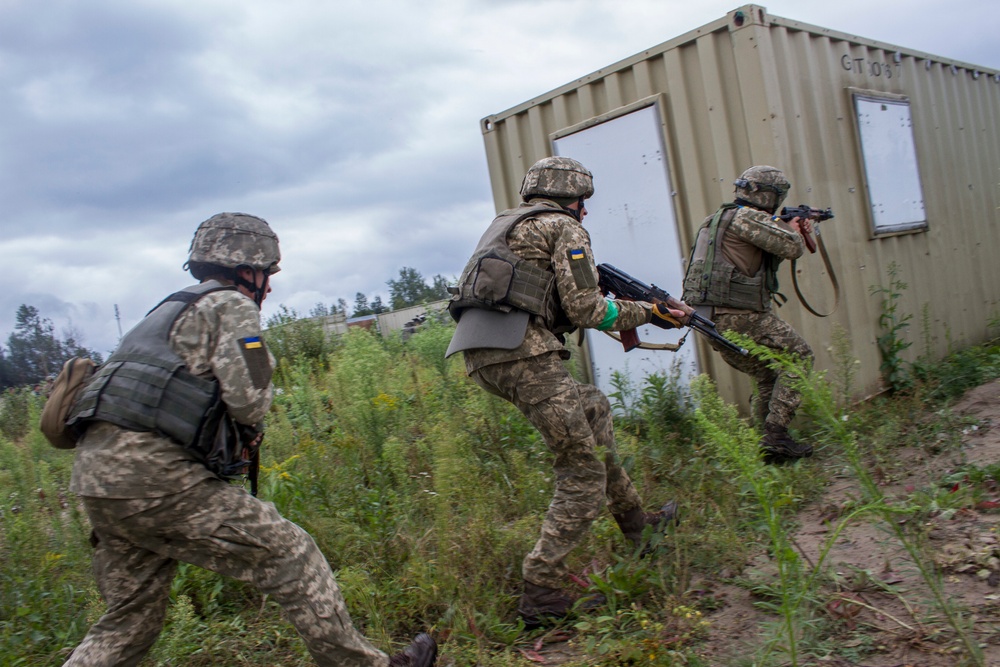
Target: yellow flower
<point>384,401</point>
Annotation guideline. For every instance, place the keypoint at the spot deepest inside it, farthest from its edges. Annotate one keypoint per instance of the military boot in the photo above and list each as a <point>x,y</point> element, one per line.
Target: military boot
<point>777,446</point>
<point>422,652</point>
<point>634,522</point>
<point>540,605</point>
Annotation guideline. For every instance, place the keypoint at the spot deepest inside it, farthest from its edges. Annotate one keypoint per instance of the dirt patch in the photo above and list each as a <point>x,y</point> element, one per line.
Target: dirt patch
<point>982,440</point>
<point>882,608</point>
<point>882,612</point>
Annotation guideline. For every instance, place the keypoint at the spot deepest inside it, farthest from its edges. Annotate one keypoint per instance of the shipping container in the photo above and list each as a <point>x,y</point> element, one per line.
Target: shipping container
<point>904,147</point>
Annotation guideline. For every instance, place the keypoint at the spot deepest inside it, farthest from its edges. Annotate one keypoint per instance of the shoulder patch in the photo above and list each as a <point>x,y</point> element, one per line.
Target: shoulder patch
<point>583,272</point>
<point>257,360</point>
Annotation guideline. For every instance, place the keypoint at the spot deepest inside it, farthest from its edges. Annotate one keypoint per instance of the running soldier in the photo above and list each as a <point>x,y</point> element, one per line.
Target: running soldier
<point>531,280</point>
<point>174,412</point>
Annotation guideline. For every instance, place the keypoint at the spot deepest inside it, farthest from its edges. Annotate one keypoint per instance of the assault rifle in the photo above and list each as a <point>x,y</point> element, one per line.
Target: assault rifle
<point>816,215</point>
<point>624,286</point>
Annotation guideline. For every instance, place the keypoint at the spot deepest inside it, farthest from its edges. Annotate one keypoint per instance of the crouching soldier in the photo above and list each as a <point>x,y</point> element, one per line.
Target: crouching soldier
<point>172,414</point>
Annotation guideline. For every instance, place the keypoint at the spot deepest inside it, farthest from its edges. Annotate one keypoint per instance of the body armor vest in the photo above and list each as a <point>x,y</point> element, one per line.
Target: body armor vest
<point>711,280</point>
<point>497,279</point>
<point>145,385</point>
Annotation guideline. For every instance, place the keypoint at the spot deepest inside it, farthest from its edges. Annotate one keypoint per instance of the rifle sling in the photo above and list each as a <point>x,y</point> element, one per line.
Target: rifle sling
<point>672,347</point>
<point>829,270</point>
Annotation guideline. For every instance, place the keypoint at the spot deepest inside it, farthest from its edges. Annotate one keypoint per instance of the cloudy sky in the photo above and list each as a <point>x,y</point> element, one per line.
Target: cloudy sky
<point>352,126</point>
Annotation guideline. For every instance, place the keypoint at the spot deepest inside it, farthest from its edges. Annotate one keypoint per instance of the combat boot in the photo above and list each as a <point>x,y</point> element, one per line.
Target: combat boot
<point>422,652</point>
<point>777,446</point>
<point>541,606</point>
<point>634,522</point>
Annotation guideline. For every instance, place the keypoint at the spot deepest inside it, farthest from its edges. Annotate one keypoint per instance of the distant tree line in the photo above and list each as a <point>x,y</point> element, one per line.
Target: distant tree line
<point>33,351</point>
<point>409,289</point>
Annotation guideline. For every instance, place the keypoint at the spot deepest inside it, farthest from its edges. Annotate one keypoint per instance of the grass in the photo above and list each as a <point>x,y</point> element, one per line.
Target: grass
<point>425,492</point>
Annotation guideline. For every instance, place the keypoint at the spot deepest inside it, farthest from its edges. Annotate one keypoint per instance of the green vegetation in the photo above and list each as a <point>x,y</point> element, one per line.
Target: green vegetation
<point>892,343</point>
<point>425,492</point>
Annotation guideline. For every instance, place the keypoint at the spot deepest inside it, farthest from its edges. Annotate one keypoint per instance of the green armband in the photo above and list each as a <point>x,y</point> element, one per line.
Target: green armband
<point>609,317</point>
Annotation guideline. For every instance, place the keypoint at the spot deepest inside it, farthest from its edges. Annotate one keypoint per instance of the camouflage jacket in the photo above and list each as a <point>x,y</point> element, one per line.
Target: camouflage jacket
<point>113,462</point>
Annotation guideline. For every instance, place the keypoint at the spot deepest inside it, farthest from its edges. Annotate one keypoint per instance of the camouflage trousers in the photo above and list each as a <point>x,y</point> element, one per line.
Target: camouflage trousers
<point>775,400</point>
<point>575,422</point>
<point>222,528</point>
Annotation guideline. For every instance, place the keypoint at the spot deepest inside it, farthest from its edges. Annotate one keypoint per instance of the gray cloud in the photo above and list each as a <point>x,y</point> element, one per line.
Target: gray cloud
<point>351,126</point>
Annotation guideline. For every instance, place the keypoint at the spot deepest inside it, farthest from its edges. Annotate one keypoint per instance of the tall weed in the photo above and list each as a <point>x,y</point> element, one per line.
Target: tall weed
<point>893,322</point>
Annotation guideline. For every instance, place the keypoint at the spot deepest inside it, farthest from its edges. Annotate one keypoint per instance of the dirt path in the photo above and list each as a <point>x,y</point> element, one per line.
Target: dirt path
<point>883,607</point>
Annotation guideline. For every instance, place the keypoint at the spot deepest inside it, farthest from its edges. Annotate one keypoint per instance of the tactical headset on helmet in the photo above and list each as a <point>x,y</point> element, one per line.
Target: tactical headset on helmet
<point>559,178</point>
<point>234,241</point>
<point>763,187</point>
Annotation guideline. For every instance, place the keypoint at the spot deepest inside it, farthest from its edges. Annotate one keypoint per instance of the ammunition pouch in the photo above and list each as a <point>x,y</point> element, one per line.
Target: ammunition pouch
<point>497,279</point>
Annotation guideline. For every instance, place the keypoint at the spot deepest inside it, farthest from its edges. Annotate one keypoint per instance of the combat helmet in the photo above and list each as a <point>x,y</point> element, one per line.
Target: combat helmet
<point>558,178</point>
<point>763,187</point>
<point>233,240</point>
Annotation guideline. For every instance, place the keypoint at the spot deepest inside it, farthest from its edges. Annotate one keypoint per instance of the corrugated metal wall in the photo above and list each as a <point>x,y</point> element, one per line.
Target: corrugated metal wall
<point>757,89</point>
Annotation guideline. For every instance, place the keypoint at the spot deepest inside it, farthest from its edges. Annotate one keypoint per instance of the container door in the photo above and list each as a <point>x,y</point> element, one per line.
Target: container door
<point>633,227</point>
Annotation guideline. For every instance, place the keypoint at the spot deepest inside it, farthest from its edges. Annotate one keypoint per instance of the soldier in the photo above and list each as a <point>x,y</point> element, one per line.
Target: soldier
<point>162,419</point>
<point>531,280</point>
<point>732,272</point>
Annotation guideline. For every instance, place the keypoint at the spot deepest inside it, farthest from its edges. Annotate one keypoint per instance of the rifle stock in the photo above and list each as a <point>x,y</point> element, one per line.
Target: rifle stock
<point>623,286</point>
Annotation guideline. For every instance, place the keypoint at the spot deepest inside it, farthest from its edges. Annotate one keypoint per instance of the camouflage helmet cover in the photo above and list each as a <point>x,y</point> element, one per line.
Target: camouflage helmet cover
<point>559,177</point>
<point>763,186</point>
<point>236,239</point>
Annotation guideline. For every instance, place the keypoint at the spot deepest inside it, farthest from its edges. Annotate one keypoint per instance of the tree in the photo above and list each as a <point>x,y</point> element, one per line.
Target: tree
<point>439,288</point>
<point>377,306</point>
<point>6,377</point>
<point>32,348</point>
<point>34,352</point>
<point>291,337</point>
<point>361,306</point>
<point>323,310</point>
<point>411,289</point>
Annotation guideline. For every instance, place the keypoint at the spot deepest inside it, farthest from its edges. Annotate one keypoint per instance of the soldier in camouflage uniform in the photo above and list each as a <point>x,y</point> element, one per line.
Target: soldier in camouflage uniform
<point>531,280</point>
<point>153,501</point>
<point>732,273</point>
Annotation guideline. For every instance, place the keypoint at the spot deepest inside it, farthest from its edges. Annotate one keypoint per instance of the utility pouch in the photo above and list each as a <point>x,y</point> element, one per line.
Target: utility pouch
<point>228,449</point>
<point>72,378</point>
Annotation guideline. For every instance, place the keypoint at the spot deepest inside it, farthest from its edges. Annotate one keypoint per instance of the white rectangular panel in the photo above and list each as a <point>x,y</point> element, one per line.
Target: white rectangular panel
<point>633,227</point>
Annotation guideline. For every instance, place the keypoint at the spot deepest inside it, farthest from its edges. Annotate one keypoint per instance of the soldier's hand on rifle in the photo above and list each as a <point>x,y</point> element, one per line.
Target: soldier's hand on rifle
<point>677,304</point>
<point>801,225</point>
<point>666,317</point>
<point>804,227</point>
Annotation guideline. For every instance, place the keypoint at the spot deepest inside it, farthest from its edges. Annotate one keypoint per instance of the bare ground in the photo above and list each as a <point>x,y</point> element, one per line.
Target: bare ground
<point>882,611</point>
<point>879,601</point>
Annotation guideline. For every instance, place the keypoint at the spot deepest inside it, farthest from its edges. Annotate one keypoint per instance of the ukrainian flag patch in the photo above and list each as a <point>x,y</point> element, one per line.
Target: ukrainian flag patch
<point>252,343</point>
<point>257,359</point>
<point>584,273</point>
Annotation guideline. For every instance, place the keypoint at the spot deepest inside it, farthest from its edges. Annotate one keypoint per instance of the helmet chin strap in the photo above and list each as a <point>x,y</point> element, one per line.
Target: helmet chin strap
<point>578,211</point>
<point>258,292</point>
